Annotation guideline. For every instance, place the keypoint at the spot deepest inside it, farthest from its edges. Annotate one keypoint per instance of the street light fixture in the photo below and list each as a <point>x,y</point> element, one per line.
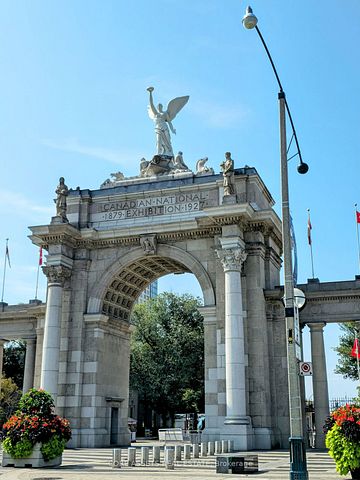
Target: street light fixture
<point>298,468</point>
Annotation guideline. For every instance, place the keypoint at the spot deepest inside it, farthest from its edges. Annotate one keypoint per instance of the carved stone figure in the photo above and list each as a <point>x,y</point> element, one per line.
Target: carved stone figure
<point>179,163</point>
<point>117,176</point>
<point>106,183</point>
<point>162,120</point>
<point>62,192</point>
<point>201,168</point>
<point>148,244</point>
<point>227,168</point>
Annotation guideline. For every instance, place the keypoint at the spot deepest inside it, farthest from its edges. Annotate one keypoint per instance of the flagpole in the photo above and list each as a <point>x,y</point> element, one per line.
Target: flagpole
<point>310,243</point>
<point>357,359</point>
<point>357,232</point>
<point>37,281</point>
<point>37,275</point>
<point>4,274</point>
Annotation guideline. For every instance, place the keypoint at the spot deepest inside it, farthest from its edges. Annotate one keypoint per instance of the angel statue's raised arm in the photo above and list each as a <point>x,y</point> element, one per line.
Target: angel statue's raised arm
<point>162,120</point>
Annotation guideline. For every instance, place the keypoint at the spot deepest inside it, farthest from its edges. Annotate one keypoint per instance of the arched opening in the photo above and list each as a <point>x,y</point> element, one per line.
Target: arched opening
<point>118,289</point>
<point>107,324</point>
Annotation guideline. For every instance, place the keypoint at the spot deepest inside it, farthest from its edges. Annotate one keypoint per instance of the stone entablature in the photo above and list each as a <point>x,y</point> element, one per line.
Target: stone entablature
<point>170,200</point>
<point>326,302</point>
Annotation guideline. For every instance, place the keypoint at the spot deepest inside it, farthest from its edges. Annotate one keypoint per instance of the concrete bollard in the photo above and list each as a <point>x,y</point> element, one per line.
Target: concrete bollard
<point>144,455</point>
<point>195,450</point>
<point>203,449</point>
<point>217,447</point>
<point>211,448</point>
<point>169,458</point>
<point>116,458</point>
<point>230,446</point>
<point>131,456</point>
<point>187,450</point>
<point>178,449</point>
<point>224,446</point>
<point>156,454</point>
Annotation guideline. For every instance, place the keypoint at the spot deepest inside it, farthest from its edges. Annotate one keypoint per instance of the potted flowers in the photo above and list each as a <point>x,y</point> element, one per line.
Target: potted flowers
<point>34,436</point>
<point>342,430</point>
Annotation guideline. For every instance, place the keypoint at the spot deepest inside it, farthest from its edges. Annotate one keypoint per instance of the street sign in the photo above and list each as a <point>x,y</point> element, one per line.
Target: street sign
<point>305,368</point>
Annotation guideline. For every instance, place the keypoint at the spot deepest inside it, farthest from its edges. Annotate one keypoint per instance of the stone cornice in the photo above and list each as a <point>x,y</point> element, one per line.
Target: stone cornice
<point>55,234</point>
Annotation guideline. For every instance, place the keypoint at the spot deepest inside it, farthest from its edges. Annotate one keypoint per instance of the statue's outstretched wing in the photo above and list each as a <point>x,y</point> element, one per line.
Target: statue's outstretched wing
<point>150,112</point>
<point>176,105</point>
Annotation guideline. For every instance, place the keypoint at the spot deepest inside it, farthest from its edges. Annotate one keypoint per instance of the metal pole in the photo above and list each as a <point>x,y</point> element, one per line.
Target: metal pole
<point>298,469</point>
<point>357,233</point>
<point>4,275</point>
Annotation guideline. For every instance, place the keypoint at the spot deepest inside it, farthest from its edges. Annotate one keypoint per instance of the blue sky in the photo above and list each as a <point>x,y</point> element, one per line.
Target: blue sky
<point>73,103</point>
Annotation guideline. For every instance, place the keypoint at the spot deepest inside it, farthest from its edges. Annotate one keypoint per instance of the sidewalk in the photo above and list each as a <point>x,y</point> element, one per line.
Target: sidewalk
<point>94,464</point>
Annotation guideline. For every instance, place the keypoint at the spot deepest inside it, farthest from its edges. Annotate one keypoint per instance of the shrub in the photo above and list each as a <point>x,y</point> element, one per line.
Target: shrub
<point>343,438</point>
<point>53,448</point>
<point>22,449</point>
<point>37,401</point>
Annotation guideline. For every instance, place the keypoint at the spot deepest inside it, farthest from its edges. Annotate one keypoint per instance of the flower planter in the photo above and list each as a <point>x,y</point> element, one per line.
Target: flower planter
<point>35,460</point>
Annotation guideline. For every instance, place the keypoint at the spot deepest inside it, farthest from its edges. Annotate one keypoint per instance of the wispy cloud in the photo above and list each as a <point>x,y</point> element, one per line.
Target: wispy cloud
<point>119,157</point>
<point>16,202</point>
<point>220,116</point>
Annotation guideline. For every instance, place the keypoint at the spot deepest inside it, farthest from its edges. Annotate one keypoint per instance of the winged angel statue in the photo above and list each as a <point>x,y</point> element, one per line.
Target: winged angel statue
<point>162,120</point>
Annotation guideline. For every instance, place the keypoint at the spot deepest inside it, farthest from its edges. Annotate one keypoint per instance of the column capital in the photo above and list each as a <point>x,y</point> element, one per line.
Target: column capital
<point>232,258</point>
<point>57,273</point>
<point>319,326</point>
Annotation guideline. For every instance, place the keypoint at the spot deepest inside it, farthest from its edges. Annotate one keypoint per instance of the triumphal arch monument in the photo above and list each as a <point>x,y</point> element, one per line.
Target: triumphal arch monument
<point>104,246</point>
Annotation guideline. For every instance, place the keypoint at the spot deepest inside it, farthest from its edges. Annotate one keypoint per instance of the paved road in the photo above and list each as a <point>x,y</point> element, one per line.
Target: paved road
<point>94,464</point>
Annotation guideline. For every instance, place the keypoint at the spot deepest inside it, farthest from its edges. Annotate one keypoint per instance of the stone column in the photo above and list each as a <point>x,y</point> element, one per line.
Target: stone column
<point>232,257</point>
<point>29,369</point>
<point>51,344</point>
<point>2,342</point>
<point>212,403</point>
<point>319,380</point>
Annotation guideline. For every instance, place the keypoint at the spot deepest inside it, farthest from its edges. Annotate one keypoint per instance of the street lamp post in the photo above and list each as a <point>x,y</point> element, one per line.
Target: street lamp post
<point>298,468</point>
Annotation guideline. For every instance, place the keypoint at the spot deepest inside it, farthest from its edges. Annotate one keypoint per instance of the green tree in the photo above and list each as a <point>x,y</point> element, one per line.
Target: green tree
<point>14,358</point>
<point>167,354</point>
<point>347,365</point>
<point>9,398</point>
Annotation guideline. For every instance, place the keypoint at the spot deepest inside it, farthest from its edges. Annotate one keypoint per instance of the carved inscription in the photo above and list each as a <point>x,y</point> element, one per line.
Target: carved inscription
<point>151,206</point>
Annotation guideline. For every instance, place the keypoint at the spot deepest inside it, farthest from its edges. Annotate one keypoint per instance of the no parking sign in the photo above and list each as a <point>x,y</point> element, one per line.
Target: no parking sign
<point>305,368</point>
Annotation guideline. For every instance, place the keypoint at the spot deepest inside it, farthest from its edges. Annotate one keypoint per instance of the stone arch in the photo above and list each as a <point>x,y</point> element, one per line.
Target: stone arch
<point>123,282</point>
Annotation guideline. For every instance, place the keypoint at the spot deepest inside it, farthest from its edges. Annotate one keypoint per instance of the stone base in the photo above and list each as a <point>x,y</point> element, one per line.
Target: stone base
<point>229,199</point>
<point>263,439</point>
<point>242,436</point>
<point>35,460</point>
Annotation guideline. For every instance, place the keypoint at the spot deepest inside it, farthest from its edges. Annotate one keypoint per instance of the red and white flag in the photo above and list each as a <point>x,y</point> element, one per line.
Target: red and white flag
<point>355,350</point>
<point>357,216</point>
<point>40,256</point>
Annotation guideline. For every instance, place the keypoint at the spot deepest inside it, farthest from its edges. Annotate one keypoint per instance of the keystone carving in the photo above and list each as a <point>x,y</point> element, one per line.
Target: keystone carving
<point>232,258</point>
<point>57,273</point>
<point>149,244</point>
